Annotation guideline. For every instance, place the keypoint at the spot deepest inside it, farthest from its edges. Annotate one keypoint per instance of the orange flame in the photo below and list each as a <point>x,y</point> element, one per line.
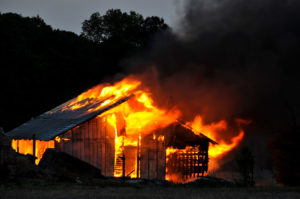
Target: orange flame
<point>119,145</point>
<point>59,139</point>
<point>213,131</point>
<point>103,94</point>
<point>26,147</point>
<point>177,177</point>
<point>141,116</point>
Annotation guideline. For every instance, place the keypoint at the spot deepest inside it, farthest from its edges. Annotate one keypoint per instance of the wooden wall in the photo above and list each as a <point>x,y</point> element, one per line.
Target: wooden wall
<point>92,142</point>
<point>153,159</point>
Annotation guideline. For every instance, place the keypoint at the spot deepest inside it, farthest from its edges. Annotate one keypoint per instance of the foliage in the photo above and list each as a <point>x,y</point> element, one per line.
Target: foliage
<point>129,29</point>
<point>245,163</point>
<point>42,67</point>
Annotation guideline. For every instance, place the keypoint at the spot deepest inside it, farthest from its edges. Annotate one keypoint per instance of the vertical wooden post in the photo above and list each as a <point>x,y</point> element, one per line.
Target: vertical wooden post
<point>186,166</point>
<point>138,158</point>
<point>194,163</point>
<point>105,152</point>
<point>180,166</point>
<point>33,147</point>
<point>198,162</point>
<point>148,163</point>
<point>203,162</point>
<point>124,159</point>
<point>123,167</point>
<point>156,148</point>
<point>18,149</point>
<point>72,143</point>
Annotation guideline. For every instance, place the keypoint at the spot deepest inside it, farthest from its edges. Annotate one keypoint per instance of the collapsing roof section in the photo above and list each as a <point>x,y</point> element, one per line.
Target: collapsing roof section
<point>59,120</point>
<point>199,134</point>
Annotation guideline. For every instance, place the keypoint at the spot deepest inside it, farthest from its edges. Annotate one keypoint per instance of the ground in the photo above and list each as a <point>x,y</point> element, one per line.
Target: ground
<point>112,191</point>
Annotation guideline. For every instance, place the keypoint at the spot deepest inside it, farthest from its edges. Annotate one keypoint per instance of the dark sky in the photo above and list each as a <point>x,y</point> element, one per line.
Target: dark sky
<point>69,14</point>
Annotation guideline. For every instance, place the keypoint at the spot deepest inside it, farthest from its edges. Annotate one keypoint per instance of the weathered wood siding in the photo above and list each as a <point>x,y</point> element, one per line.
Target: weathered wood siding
<point>153,159</point>
<point>92,142</point>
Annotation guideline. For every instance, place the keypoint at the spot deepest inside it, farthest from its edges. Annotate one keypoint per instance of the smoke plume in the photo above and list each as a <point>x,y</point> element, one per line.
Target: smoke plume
<point>230,59</point>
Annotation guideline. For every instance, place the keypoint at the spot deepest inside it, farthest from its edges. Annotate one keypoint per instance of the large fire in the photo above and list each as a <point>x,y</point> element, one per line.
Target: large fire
<point>211,131</point>
<point>141,117</point>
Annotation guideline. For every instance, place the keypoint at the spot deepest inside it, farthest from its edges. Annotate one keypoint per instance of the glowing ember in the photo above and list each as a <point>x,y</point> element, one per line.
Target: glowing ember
<point>59,139</point>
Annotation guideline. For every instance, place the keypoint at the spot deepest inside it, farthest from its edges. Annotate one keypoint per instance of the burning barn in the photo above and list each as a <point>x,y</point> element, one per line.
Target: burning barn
<point>119,130</point>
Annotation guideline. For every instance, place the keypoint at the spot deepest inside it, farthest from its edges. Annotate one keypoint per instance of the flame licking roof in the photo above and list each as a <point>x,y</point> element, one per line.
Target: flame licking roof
<point>140,114</point>
<point>59,120</point>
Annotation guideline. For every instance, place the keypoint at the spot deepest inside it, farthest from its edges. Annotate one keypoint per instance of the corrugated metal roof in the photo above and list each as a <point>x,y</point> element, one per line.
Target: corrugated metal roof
<point>59,120</point>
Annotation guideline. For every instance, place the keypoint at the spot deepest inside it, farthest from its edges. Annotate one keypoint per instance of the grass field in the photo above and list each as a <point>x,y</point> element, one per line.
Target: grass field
<point>73,191</point>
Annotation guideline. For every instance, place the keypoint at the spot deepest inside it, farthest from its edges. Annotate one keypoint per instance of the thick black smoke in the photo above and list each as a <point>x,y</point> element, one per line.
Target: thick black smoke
<point>232,58</point>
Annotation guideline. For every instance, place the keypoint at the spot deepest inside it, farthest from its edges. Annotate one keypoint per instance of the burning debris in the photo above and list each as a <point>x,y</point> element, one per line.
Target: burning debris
<point>121,131</point>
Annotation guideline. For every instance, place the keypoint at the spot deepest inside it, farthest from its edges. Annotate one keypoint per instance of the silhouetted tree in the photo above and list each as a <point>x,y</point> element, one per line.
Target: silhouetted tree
<point>245,163</point>
<point>121,34</point>
<point>92,29</point>
<point>126,28</point>
<point>41,68</point>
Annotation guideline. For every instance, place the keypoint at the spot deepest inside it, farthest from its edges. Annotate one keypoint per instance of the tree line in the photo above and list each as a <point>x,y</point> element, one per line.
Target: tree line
<point>42,67</point>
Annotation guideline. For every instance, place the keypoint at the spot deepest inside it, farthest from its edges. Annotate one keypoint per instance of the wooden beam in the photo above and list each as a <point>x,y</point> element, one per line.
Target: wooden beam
<point>33,147</point>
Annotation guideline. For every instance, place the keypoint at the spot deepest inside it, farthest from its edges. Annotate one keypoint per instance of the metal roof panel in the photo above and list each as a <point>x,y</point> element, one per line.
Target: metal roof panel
<point>58,120</point>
